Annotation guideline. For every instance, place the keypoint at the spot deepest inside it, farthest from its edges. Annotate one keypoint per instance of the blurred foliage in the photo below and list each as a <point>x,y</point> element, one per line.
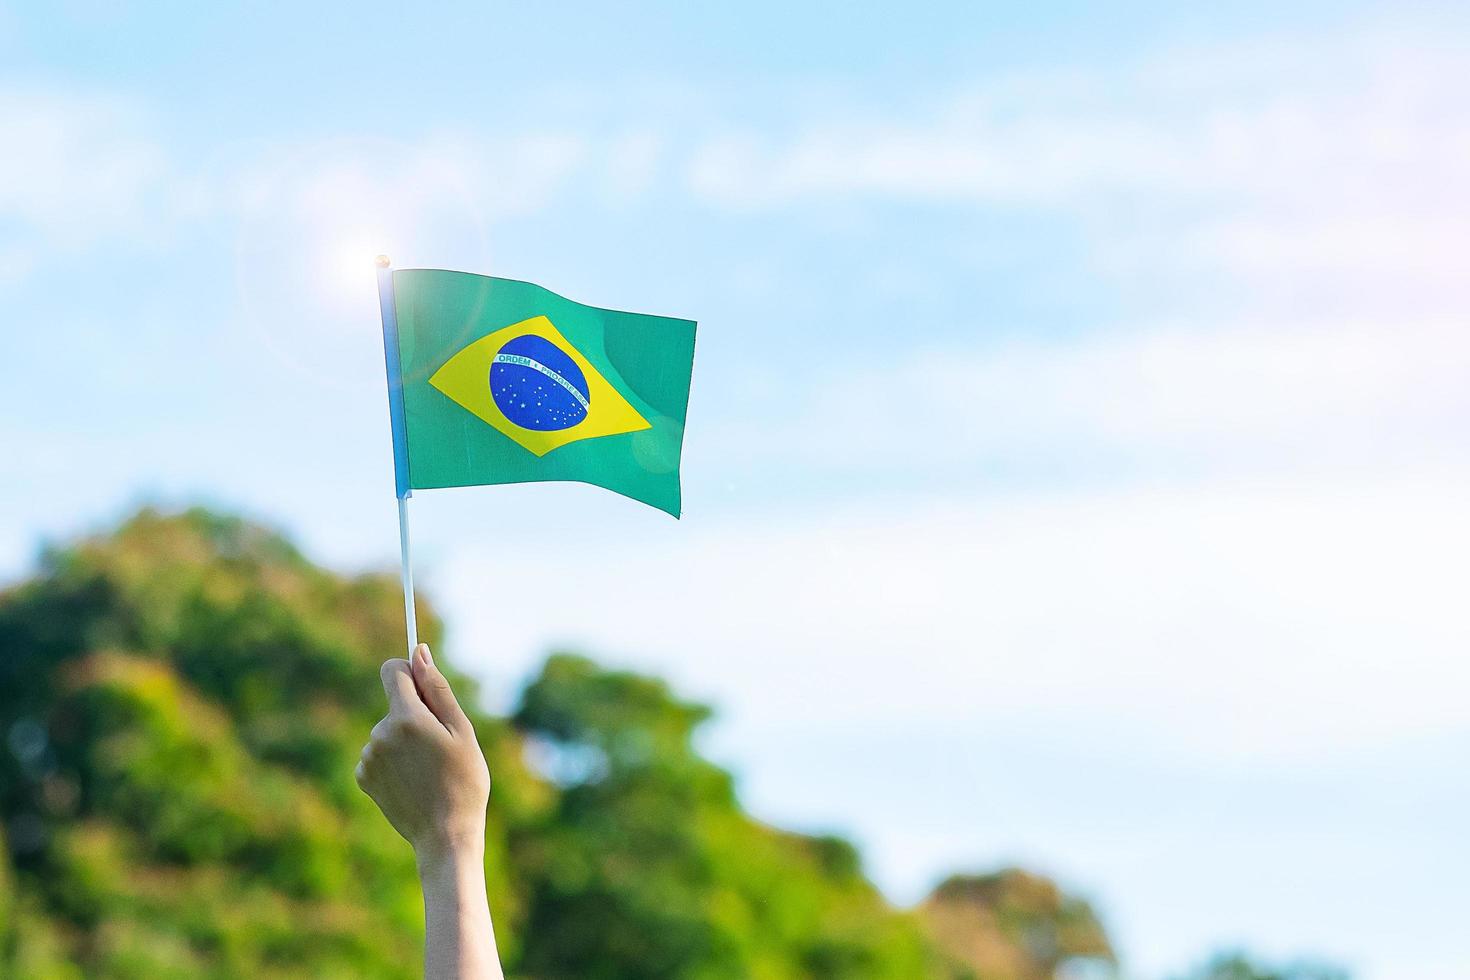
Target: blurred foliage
<point>1013,925</point>
<point>646,867</point>
<point>1240,966</point>
<point>182,702</point>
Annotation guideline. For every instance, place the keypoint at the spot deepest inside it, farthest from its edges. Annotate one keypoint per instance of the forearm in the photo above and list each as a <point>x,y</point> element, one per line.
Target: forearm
<point>459,943</point>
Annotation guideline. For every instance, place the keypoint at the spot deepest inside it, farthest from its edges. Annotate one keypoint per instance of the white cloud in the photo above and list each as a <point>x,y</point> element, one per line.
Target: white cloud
<point>1245,399</point>
<point>84,167</point>
<point>1276,624</point>
<point>311,216</point>
<point>1330,162</point>
<point>76,167</point>
<point>1342,115</point>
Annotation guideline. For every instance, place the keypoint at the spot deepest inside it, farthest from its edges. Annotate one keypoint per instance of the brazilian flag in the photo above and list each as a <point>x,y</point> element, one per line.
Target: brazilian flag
<point>499,381</point>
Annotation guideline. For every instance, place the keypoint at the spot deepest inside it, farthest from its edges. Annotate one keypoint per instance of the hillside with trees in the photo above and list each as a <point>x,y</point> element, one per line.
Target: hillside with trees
<point>182,702</point>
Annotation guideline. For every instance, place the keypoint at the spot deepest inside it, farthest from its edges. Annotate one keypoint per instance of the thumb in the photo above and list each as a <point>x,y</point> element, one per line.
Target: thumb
<point>398,684</point>
<point>435,690</point>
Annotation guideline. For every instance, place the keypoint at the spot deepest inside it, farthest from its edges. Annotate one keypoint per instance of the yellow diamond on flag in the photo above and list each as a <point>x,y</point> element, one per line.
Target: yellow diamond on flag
<point>531,384</point>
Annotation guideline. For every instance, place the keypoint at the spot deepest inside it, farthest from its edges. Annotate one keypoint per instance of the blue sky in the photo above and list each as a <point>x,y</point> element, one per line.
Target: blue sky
<point>1075,472</point>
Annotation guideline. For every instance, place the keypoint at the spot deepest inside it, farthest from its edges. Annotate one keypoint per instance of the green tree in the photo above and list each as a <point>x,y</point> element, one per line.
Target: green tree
<point>646,867</point>
<point>182,702</point>
<point>1014,925</point>
<point>1236,965</point>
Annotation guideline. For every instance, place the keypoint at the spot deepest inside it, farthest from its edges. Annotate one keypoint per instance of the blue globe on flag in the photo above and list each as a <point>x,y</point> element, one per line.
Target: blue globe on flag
<point>536,385</point>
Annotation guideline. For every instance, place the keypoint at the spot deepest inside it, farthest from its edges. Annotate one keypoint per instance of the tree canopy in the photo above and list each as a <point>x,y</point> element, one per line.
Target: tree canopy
<point>184,699</point>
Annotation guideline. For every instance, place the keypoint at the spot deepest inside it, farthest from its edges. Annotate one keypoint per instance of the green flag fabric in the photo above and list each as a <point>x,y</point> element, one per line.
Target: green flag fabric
<point>502,381</point>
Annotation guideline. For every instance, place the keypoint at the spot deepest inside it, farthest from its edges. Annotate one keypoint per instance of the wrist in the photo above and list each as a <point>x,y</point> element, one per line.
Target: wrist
<point>445,853</point>
<point>459,937</point>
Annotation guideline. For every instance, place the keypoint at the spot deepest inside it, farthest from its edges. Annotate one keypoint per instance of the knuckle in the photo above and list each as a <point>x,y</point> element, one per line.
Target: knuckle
<point>391,729</point>
<point>414,728</point>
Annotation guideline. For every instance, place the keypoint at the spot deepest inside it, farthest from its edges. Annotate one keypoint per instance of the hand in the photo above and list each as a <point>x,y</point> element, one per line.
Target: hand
<point>425,771</point>
<point>423,766</point>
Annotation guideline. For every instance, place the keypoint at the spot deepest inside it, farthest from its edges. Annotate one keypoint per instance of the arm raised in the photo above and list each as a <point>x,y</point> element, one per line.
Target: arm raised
<point>424,769</point>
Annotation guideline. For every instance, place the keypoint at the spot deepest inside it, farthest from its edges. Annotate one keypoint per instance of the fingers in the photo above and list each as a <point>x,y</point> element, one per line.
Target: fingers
<point>434,688</point>
<point>398,684</point>
<point>389,738</point>
<point>361,773</point>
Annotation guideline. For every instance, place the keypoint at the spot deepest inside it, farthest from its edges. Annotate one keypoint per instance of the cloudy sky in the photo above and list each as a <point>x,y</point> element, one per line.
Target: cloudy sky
<point>1076,470</point>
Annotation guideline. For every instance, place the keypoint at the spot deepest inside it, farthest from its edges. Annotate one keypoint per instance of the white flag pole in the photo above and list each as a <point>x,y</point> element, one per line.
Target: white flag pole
<point>409,618</point>
<point>388,306</point>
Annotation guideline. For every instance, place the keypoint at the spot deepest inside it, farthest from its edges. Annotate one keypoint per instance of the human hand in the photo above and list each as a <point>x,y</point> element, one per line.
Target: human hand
<point>422,765</point>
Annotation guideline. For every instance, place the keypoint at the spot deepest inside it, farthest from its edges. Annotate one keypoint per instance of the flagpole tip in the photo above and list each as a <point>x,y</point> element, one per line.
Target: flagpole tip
<point>383,262</point>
